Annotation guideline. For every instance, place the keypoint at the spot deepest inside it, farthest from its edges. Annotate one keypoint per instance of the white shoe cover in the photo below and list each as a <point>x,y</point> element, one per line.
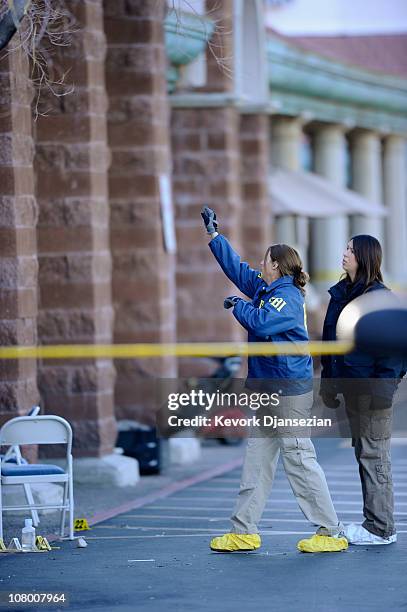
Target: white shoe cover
<point>359,536</point>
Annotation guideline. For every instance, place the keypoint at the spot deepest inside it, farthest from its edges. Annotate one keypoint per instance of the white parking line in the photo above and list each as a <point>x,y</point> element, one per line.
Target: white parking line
<point>208,508</point>
<point>206,530</point>
<point>218,519</point>
<point>230,509</point>
<point>197,535</point>
<point>400,440</point>
<point>279,510</point>
<point>342,482</point>
<point>159,536</point>
<point>347,443</point>
<point>283,483</point>
<point>234,489</point>
<point>339,478</point>
<point>341,474</point>
<point>204,518</point>
<point>353,493</point>
<point>273,501</point>
<point>400,467</point>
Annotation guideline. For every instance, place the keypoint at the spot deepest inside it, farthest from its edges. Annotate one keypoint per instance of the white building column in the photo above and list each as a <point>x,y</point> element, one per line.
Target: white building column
<point>329,236</point>
<point>367,179</point>
<point>286,134</point>
<point>395,199</point>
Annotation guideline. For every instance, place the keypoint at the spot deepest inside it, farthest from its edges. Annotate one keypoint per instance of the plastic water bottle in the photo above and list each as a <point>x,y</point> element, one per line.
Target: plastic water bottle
<point>28,536</point>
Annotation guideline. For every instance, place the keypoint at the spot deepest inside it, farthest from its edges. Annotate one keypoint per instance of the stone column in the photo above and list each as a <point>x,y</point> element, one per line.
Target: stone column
<point>220,51</point>
<point>367,179</point>
<point>138,131</point>
<point>395,199</point>
<point>329,236</point>
<point>205,145</point>
<point>18,245</point>
<point>71,164</point>
<point>286,135</point>
<point>255,221</point>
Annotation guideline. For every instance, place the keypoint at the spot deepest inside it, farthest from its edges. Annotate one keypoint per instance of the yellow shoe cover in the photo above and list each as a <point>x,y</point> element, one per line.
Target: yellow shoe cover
<point>321,543</point>
<point>231,542</point>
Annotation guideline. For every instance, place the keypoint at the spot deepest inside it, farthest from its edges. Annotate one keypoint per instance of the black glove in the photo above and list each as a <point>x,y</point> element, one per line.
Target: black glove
<point>329,392</point>
<point>209,217</point>
<point>330,399</point>
<point>231,301</point>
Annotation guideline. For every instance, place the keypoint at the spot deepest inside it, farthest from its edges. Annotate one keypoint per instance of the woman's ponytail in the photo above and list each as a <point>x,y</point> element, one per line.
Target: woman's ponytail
<point>301,278</point>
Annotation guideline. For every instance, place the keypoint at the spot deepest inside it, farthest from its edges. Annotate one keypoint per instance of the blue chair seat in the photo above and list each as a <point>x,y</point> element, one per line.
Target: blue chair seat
<point>33,469</point>
<point>13,459</point>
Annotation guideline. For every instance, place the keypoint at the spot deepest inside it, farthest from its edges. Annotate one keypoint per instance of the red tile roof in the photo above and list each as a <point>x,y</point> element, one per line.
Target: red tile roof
<point>381,53</point>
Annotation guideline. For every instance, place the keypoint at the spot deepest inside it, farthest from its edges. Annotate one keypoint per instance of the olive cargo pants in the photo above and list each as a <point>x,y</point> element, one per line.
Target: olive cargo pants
<point>371,436</point>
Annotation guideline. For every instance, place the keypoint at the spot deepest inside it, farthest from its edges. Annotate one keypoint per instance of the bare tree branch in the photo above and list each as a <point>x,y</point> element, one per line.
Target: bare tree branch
<point>220,33</point>
<point>45,26</point>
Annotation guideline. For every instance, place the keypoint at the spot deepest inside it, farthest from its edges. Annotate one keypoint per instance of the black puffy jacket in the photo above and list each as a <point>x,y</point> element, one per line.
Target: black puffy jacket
<point>356,364</point>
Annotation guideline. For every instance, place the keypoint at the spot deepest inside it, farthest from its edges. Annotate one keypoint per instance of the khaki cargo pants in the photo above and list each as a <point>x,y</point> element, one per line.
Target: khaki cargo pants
<point>304,473</point>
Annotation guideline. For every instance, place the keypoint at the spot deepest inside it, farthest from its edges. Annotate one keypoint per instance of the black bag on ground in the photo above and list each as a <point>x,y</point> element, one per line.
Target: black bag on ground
<point>141,442</point>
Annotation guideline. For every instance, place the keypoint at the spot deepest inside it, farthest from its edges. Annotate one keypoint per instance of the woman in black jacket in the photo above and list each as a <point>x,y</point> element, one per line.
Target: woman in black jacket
<point>368,385</point>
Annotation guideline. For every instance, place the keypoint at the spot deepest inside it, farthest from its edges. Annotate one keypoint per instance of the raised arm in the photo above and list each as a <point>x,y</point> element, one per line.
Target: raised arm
<point>240,273</point>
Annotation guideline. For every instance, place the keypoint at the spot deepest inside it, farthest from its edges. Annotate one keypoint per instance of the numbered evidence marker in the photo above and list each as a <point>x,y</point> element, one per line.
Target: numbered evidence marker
<point>42,543</point>
<point>81,524</point>
<point>14,545</point>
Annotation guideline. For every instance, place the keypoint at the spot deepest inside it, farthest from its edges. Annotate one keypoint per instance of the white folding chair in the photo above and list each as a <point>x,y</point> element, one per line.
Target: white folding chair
<point>48,429</point>
<point>13,454</point>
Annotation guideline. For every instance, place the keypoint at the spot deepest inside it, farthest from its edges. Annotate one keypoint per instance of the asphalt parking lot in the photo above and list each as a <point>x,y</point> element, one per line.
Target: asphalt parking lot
<point>157,555</point>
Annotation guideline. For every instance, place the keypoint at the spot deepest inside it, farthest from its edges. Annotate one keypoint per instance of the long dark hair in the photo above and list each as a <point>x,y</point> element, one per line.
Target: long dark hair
<point>368,254</point>
<point>289,264</point>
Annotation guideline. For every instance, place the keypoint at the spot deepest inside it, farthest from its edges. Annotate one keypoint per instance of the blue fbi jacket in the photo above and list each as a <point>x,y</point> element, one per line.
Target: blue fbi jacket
<point>276,313</point>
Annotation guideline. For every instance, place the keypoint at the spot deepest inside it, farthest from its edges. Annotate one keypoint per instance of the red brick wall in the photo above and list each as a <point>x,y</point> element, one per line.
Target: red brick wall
<point>98,250</point>
<point>18,217</point>
<point>71,161</point>
<point>143,273</point>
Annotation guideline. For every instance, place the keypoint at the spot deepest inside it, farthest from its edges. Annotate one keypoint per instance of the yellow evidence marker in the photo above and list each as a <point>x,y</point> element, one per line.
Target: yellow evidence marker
<point>81,524</point>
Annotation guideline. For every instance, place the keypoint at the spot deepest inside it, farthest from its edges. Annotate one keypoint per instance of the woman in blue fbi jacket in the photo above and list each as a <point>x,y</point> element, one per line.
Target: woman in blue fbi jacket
<point>368,384</point>
<point>275,313</point>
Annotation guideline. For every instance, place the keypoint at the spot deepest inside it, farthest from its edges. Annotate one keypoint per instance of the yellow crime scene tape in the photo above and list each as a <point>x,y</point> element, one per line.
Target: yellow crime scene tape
<point>187,349</point>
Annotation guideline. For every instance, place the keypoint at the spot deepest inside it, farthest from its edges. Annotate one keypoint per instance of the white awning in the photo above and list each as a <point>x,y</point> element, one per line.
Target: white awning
<point>309,195</point>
